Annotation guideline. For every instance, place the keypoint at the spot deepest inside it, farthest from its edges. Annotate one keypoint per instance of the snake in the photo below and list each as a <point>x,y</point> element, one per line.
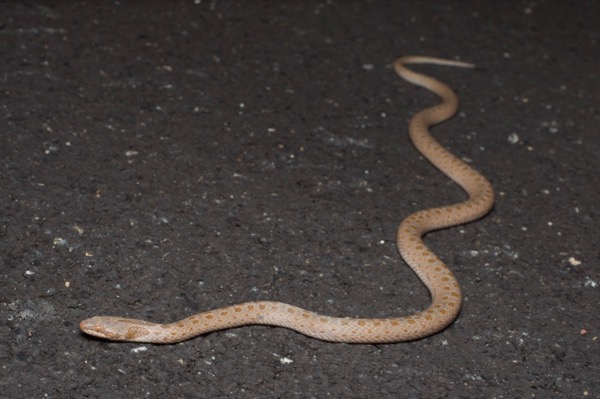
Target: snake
<point>445,292</point>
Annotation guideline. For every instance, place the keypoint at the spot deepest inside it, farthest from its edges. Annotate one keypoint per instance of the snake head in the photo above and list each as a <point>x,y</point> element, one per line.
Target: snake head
<point>115,328</point>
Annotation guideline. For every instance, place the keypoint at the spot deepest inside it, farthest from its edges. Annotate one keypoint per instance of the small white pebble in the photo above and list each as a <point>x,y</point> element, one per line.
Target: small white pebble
<point>139,349</point>
<point>590,283</point>
<point>574,261</point>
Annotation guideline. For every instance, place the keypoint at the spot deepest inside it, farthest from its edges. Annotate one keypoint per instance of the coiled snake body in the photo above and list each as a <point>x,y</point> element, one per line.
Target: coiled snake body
<point>444,289</point>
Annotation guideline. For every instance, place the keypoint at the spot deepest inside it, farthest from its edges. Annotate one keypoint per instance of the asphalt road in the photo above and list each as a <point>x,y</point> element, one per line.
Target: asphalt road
<point>164,158</point>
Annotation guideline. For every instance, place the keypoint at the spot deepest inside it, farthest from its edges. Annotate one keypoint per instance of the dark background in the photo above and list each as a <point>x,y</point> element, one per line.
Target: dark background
<point>165,158</point>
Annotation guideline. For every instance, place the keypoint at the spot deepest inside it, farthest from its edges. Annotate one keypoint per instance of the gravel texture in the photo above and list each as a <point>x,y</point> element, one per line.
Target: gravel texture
<point>164,158</point>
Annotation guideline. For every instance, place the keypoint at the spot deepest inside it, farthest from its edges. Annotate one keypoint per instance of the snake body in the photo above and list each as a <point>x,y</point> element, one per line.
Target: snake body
<point>444,289</point>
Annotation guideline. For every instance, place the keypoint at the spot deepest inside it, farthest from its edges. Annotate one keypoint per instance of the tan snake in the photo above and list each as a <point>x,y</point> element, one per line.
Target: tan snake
<point>444,289</point>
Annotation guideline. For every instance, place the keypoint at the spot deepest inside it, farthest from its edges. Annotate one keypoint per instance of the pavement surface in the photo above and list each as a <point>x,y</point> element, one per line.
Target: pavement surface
<point>164,158</point>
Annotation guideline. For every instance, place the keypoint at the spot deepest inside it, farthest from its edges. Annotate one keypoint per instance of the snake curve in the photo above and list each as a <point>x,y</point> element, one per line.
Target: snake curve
<point>444,289</point>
